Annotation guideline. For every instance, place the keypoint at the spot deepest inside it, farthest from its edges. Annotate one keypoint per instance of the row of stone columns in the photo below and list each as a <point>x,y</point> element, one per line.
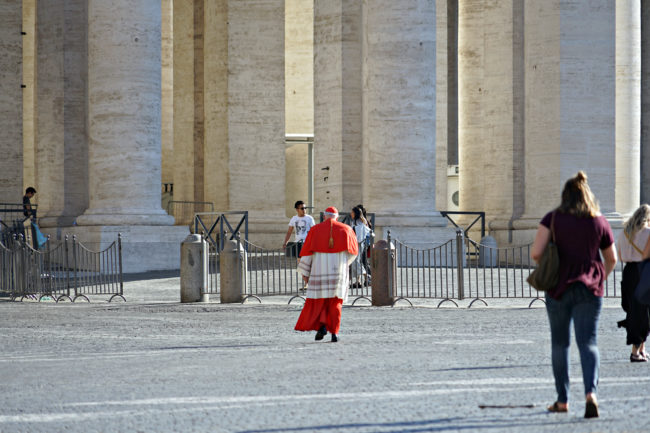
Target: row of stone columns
<point>556,92</point>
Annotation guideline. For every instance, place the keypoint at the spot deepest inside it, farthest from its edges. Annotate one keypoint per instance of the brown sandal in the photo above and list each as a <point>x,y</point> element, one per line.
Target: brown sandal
<point>555,407</point>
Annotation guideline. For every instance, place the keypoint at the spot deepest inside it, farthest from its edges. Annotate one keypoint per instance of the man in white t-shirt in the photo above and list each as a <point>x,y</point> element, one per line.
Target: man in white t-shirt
<point>300,224</point>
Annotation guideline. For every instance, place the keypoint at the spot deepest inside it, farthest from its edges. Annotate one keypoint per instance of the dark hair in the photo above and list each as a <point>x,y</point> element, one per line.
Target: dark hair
<point>357,212</point>
<point>30,189</point>
<point>577,198</point>
<point>298,203</point>
<point>365,214</point>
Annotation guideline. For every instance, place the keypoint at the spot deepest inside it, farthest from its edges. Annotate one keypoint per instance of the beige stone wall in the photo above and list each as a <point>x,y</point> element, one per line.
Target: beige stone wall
<point>11,107</point>
<point>29,93</point>
<point>299,66</point>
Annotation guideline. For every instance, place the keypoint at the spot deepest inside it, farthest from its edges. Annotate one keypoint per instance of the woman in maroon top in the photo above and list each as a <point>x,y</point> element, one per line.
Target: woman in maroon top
<point>581,234</point>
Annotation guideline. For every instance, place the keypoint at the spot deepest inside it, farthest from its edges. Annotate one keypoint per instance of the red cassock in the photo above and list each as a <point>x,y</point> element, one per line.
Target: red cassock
<point>327,268</point>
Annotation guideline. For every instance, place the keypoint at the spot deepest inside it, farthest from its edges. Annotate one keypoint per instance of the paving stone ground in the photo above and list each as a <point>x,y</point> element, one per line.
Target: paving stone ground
<point>154,365</point>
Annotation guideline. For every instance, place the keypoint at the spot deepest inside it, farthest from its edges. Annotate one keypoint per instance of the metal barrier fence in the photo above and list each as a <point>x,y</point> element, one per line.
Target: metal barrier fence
<point>215,226</point>
<point>465,269</point>
<point>271,273</point>
<point>60,270</point>
<point>427,273</point>
<point>184,211</point>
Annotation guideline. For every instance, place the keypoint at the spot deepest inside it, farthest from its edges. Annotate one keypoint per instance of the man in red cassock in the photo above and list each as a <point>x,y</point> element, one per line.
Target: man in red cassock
<point>328,251</point>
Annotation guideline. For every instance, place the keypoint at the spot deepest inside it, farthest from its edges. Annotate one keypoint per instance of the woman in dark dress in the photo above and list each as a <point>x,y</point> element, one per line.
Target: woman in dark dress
<point>581,235</point>
<point>633,248</point>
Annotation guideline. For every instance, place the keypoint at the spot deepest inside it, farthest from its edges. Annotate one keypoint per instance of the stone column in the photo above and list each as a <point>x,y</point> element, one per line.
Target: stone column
<point>124,113</point>
<point>337,103</point>
<point>215,67</point>
<point>61,92</point>
<point>167,91</point>
<point>29,93</point>
<point>11,106</point>
<point>183,100</point>
<point>256,114</point>
<point>399,118</point>
<point>645,102</point>
<point>628,106</point>
<point>570,103</point>
<point>491,89</point>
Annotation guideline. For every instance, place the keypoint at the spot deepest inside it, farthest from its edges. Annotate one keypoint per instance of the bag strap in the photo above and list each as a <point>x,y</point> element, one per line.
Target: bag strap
<point>553,226</point>
<point>638,250</point>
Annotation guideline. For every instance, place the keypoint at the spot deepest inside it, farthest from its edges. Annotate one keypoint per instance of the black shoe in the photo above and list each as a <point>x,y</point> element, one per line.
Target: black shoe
<point>591,409</point>
<point>322,332</point>
<point>335,338</point>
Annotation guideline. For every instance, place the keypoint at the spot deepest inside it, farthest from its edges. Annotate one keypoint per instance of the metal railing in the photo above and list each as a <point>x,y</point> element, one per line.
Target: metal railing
<point>60,270</point>
<point>184,211</point>
<point>12,220</point>
<point>271,273</point>
<point>480,216</point>
<point>462,268</point>
<point>427,273</point>
<point>98,272</point>
<point>215,226</point>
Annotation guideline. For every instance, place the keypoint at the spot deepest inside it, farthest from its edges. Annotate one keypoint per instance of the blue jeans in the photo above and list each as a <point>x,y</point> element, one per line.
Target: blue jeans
<point>583,307</point>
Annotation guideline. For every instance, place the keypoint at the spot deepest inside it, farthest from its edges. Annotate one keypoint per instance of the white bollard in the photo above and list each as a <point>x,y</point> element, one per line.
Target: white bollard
<point>194,269</point>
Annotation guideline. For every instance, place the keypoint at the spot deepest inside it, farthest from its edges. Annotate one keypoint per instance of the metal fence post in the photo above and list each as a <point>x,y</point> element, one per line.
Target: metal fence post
<point>459,263</point>
<point>119,251</point>
<point>75,266</point>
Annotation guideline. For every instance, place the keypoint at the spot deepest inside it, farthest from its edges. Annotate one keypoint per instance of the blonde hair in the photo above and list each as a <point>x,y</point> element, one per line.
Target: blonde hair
<point>577,198</point>
<point>637,221</point>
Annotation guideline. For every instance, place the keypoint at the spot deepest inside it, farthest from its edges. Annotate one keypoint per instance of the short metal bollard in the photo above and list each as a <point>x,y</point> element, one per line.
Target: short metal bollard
<point>383,273</point>
<point>232,267</point>
<point>488,253</point>
<point>194,269</point>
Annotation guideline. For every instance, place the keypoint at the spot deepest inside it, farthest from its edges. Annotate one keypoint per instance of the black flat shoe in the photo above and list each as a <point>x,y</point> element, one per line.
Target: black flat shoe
<point>335,338</point>
<point>638,358</point>
<point>591,409</point>
<point>322,332</point>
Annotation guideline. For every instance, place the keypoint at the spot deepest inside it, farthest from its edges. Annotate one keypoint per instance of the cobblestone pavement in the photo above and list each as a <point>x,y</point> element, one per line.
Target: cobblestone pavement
<point>155,365</point>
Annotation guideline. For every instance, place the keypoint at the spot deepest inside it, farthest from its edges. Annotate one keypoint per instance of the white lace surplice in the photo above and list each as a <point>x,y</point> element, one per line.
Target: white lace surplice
<point>328,274</point>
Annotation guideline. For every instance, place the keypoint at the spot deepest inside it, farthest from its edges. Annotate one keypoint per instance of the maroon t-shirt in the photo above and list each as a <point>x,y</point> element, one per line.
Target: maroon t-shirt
<point>578,242</point>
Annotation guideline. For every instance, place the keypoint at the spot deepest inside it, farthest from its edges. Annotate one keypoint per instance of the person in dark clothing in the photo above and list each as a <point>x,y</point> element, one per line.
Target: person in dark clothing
<point>581,235</point>
<point>634,248</point>
<point>27,203</point>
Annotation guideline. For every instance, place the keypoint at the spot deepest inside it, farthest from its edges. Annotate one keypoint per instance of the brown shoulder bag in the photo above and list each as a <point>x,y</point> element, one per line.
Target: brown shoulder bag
<point>545,276</point>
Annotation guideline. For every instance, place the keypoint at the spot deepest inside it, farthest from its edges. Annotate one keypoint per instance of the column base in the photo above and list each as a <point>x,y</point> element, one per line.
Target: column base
<point>416,230</point>
<point>521,231</point>
<point>144,248</point>
<point>55,221</point>
<point>117,217</point>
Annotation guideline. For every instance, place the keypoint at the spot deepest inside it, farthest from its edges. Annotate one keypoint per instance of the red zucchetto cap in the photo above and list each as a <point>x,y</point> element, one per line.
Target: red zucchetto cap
<point>332,210</point>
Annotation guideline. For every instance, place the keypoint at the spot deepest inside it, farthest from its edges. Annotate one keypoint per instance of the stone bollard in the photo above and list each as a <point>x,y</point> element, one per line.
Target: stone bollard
<point>383,273</point>
<point>487,253</point>
<point>232,267</point>
<point>194,268</point>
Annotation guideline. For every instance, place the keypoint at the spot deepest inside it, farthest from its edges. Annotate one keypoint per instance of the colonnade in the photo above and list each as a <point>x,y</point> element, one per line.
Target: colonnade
<point>127,93</point>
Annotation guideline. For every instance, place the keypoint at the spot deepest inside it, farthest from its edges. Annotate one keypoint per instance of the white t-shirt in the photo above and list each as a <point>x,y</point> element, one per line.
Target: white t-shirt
<point>627,251</point>
<point>301,226</point>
